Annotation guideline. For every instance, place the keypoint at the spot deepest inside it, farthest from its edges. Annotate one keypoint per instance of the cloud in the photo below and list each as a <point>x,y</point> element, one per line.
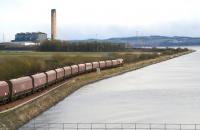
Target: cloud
<point>79,19</point>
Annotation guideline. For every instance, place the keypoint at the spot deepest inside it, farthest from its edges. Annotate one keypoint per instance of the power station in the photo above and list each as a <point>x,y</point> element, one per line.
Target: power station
<point>53,24</point>
<point>36,37</point>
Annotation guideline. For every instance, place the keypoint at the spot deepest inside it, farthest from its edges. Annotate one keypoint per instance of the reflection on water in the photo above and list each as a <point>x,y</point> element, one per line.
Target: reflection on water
<point>168,92</point>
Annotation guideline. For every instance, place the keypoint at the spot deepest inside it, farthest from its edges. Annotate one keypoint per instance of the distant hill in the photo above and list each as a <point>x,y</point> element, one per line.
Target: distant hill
<point>154,41</point>
<point>150,41</point>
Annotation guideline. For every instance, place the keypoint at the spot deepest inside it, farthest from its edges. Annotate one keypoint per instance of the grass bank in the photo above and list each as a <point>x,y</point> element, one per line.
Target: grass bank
<point>14,119</point>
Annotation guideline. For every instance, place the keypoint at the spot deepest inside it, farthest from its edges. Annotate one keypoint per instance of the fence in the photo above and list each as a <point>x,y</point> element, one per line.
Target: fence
<point>109,126</point>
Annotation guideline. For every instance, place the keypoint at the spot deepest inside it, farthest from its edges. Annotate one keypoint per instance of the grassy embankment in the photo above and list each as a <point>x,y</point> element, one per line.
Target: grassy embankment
<point>15,118</point>
<point>17,64</point>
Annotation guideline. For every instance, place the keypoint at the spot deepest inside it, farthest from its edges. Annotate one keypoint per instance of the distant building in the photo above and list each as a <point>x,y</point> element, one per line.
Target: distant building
<point>24,43</point>
<point>30,37</point>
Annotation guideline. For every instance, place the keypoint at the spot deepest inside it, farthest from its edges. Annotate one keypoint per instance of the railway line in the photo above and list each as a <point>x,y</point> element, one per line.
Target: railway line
<point>17,92</point>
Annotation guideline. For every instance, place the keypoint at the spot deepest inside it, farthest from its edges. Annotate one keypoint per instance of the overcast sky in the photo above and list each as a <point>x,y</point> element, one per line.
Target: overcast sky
<point>83,19</point>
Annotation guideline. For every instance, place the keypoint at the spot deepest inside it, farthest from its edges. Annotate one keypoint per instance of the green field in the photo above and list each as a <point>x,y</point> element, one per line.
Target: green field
<point>15,64</point>
<point>49,54</point>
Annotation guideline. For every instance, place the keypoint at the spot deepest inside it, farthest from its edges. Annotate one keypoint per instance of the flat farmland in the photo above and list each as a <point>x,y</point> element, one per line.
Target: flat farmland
<point>15,64</point>
<point>49,54</point>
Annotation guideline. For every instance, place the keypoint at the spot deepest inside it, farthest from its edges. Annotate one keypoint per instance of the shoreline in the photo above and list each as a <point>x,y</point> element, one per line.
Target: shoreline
<point>15,118</point>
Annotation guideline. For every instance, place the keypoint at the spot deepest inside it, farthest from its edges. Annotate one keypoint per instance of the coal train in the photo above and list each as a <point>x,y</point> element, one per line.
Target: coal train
<point>17,88</point>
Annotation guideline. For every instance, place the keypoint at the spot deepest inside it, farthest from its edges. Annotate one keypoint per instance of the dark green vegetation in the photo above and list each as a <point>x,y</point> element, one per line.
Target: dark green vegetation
<point>68,46</point>
<point>17,64</point>
<point>11,46</point>
<point>94,46</point>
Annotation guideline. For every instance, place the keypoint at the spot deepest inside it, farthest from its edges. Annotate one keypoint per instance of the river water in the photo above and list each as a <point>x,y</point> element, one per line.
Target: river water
<point>167,92</point>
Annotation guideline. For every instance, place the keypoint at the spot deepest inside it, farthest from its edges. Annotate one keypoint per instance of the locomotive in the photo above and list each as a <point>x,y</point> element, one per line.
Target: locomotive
<point>20,87</point>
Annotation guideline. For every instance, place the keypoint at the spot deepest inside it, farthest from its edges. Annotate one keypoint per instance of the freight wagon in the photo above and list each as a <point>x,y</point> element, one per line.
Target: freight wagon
<point>60,74</point>
<point>68,71</point>
<point>4,91</point>
<point>23,86</point>
<point>20,87</point>
<point>39,81</point>
<point>74,70</point>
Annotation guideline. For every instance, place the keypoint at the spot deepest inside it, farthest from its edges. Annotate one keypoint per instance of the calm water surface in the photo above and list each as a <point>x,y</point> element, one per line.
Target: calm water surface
<point>168,92</point>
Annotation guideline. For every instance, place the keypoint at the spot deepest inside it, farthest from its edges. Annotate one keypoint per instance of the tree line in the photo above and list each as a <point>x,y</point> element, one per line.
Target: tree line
<point>94,46</point>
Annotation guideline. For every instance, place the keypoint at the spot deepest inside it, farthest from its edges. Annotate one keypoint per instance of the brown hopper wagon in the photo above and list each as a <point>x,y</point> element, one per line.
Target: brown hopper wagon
<point>88,67</point>
<point>74,69</point>
<point>4,91</point>
<point>81,68</point>
<point>95,65</point>
<point>51,77</point>
<point>17,88</point>
<point>102,64</point>
<point>60,72</point>
<point>39,81</point>
<point>21,86</point>
<point>68,71</point>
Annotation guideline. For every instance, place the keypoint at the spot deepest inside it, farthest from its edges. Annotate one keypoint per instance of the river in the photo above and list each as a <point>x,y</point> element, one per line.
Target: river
<point>167,92</point>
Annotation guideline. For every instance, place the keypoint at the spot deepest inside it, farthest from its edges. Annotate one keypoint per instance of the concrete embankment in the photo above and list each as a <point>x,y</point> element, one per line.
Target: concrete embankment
<point>14,118</point>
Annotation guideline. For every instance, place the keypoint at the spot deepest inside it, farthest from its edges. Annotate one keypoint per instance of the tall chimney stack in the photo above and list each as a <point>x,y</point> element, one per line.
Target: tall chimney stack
<point>53,24</point>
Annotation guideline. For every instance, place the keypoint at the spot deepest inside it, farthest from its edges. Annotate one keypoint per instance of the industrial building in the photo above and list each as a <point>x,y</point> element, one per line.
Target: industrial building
<point>30,37</point>
<point>37,37</point>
